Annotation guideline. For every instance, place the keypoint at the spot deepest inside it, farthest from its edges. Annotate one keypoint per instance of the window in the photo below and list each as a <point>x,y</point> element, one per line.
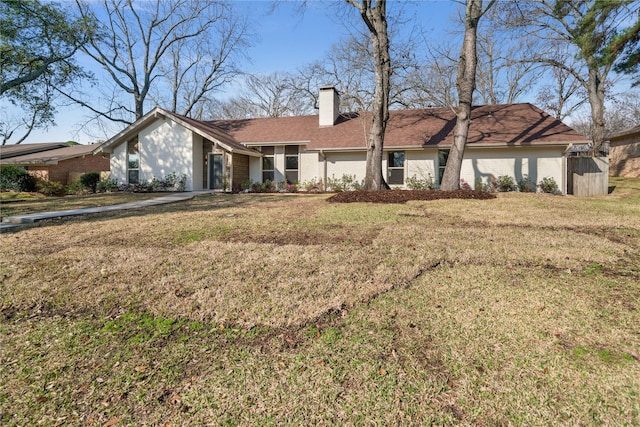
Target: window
<point>291,162</point>
<point>268,162</point>
<point>133,161</point>
<point>395,168</point>
<point>443,155</point>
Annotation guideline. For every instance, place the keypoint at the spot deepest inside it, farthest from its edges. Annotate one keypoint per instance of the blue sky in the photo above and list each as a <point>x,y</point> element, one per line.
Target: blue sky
<point>286,40</point>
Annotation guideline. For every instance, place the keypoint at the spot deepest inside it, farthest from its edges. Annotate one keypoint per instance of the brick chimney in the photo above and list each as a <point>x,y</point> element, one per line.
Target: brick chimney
<point>329,102</point>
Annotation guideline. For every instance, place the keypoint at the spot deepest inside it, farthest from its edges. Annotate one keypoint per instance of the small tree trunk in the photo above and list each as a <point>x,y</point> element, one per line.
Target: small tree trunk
<point>465,83</point>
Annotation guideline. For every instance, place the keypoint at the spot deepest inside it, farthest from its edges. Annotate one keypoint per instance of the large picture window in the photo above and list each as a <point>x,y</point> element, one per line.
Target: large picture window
<point>443,156</point>
<point>133,162</point>
<point>268,164</point>
<point>395,168</point>
<point>291,161</point>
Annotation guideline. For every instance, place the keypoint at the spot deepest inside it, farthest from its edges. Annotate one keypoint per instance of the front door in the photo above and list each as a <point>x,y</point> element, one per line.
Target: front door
<point>215,172</point>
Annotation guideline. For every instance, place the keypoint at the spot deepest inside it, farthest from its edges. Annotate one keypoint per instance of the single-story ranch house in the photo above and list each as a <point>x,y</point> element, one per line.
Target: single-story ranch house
<point>514,140</point>
<point>624,158</point>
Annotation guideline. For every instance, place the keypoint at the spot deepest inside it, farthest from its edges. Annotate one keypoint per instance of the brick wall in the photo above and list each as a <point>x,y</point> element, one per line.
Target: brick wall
<point>624,157</point>
<point>67,170</point>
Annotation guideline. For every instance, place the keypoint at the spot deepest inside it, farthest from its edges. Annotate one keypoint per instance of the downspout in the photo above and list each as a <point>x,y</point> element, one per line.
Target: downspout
<point>324,170</point>
<point>564,170</point>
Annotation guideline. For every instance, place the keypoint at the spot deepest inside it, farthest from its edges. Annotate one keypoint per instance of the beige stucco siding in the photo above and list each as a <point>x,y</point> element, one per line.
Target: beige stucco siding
<point>118,163</point>
<point>421,164</point>
<point>339,164</point>
<point>167,147</point>
<point>311,166</point>
<point>537,163</point>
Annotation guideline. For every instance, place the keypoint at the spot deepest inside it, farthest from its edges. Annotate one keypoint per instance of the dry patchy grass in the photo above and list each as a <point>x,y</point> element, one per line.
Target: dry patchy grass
<point>23,204</point>
<point>258,310</point>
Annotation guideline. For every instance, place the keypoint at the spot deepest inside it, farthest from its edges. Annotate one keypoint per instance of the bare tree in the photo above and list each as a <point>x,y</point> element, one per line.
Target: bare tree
<point>588,26</point>
<point>503,73</point>
<point>564,95</point>
<point>193,69</point>
<point>274,95</point>
<point>432,83</point>
<point>374,16</point>
<point>465,83</point>
<point>134,39</point>
<point>622,112</point>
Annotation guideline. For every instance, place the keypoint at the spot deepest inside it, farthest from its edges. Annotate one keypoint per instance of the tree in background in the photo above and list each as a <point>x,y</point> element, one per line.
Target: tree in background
<point>187,46</point>
<point>563,95</point>
<point>465,83</point>
<point>38,42</point>
<point>588,27</point>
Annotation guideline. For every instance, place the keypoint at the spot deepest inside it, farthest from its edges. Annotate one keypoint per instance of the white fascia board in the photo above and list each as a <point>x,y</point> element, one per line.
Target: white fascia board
<point>122,136</point>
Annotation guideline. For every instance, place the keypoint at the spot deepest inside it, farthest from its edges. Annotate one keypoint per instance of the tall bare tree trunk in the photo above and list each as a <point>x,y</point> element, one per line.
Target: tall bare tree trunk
<point>465,83</point>
<point>375,18</point>
<point>595,86</point>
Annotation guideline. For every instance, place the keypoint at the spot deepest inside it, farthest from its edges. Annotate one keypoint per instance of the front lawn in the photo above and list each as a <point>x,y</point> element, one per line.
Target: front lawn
<point>286,310</point>
<point>28,203</point>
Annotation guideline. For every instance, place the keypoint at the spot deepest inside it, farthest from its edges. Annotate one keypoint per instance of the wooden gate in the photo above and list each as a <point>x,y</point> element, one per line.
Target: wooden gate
<point>588,176</point>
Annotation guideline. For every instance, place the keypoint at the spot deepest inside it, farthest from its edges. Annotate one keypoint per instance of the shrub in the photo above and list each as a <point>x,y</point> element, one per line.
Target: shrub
<point>263,187</point>
<point>246,184</point>
<point>415,183</point>
<point>505,183</point>
<point>51,188</point>
<point>464,185</point>
<point>346,183</point>
<point>312,186</point>
<point>107,185</point>
<point>90,180</point>
<point>16,178</point>
<point>481,186</point>
<point>549,185</point>
<point>75,187</point>
<point>526,185</point>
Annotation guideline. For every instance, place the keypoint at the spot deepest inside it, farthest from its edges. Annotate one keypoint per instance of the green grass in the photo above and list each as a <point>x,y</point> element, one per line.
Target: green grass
<point>274,310</point>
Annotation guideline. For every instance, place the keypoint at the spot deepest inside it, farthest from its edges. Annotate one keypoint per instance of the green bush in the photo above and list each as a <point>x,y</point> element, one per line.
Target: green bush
<point>549,185</point>
<point>107,185</point>
<point>481,186</point>
<point>505,183</point>
<point>346,183</point>
<point>313,186</point>
<point>90,180</point>
<point>415,183</point>
<point>525,185</point>
<point>246,184</point>
<point>16,178</point>
<point>75,187</point>
<point>51,188</point>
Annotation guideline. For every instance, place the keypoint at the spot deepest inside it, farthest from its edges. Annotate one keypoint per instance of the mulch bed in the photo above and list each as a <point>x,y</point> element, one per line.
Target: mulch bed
<point>402,196</point>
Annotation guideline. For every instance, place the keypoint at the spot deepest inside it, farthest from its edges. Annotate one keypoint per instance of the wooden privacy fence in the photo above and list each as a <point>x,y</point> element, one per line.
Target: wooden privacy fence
<point>588,176</point>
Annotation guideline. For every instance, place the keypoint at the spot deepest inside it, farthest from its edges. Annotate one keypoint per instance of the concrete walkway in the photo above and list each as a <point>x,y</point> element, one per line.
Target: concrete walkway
<point>12,222</point>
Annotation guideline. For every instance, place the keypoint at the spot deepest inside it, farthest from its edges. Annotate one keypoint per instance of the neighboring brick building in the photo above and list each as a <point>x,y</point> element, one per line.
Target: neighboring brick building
<point>64,164</point>
<point>624,156</point>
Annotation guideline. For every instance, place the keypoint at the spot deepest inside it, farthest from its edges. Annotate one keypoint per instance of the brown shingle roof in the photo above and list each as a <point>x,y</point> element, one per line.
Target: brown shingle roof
<point>14,150</point>
<point>51,156</point>
<point>213,132</point>
<point>492,125</point>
